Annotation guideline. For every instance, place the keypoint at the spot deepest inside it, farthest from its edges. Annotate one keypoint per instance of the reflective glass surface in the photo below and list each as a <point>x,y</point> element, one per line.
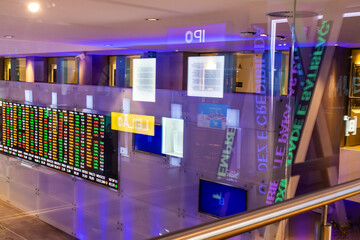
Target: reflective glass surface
<point>114,114</point>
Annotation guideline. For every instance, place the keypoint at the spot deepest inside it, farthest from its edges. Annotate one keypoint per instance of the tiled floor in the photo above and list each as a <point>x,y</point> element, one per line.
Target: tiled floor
<point>17,225</point>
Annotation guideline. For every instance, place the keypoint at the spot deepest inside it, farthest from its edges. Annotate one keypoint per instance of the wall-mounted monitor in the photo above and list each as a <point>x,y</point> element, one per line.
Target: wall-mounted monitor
<point>149,144</point>
<point>206,76</point>
<point>221,200</point>
<point>77,143</point>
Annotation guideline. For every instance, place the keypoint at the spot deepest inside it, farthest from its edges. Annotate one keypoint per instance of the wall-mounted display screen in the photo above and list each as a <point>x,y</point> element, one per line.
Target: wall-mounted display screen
<point>206,76</point>
<point>144,79</point>
<point>150,144</point>
<point>211,115</point>
<point>77,143</point>
<point>221,200</point>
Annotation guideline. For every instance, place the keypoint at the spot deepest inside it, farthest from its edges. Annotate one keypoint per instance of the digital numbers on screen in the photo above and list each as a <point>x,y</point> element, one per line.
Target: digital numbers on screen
<point>78,143</point>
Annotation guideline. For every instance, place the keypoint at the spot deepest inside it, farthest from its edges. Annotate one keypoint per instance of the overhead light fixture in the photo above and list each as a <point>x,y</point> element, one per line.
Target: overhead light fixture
<point>345,15</point>
<point>34,7</point>
<point>247,34</point>
<point>303,14</point>
<point>263,35</point>
<point>290,14</point>
<point>351,14</point>
<point>8,36</point>
<point>108,45</point>
<point>152,19</point>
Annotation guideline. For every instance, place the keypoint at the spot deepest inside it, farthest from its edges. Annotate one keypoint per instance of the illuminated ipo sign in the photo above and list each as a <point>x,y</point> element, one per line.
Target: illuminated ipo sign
<point>133,123</point>
<point>350,125</point>
<point>197,34</point>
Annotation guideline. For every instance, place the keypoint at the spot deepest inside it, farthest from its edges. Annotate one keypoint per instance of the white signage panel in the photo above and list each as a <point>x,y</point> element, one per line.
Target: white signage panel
<point>144,79</point>
<point>206,76</point>
<point>172,137</point>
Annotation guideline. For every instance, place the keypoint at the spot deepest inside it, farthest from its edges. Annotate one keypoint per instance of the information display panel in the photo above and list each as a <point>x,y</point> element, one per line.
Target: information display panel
<point>206,76</point>
<point>211,115</point>
<point>149,144</point>
<point>172,137</point>
<point>221,200</point>
<point>77,143</point>
<point>144,79</point>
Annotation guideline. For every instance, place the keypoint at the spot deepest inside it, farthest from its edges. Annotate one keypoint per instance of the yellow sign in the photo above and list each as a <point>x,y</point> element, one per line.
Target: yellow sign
<point>133,123</point>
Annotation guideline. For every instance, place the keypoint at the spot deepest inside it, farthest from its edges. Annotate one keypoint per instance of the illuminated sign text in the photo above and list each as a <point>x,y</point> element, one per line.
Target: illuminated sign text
<point>304,102</point>
<point>197,34</point>
<point>133,123</point>
<point>226,153</point>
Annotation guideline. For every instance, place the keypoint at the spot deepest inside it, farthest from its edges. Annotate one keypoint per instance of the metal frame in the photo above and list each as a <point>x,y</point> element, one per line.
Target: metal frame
<point>244,222</point>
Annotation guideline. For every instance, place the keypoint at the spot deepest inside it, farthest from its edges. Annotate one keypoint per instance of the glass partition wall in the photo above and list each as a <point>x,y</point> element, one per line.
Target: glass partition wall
<point>148,118</point>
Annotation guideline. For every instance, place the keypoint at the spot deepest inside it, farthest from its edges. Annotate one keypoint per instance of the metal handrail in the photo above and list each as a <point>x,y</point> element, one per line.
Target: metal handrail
<point>244,222</point>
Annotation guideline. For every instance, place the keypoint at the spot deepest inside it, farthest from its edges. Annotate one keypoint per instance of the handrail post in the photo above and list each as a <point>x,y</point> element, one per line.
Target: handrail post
<point>325,226</point>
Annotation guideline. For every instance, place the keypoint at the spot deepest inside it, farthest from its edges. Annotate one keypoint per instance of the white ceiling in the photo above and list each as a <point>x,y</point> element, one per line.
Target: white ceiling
<point>88,25</point>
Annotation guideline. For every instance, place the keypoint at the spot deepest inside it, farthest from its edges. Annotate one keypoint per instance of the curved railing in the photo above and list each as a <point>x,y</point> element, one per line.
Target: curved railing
<point>244,222</point>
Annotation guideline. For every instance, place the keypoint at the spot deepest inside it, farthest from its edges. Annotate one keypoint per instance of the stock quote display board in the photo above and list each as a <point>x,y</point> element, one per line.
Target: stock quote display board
<point>77,143</point>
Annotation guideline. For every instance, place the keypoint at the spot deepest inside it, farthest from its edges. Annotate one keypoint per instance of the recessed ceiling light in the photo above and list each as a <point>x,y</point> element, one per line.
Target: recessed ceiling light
<point>263,35</point>
<point>8,36</point>
<point>152,19</point>
<point>247,34</point>
<point>290,14</point>
<point>108,45</point>
<point>34,7</point>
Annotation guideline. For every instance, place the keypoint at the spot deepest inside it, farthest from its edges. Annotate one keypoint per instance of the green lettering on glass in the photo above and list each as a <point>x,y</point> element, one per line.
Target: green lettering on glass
<point>302,109</point>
